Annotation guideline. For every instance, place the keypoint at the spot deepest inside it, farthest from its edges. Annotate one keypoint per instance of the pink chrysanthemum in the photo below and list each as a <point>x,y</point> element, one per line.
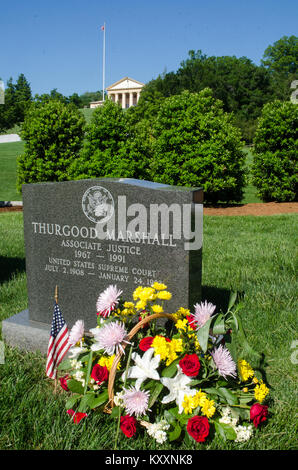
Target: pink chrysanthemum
<point>76,333</point>
<point>224,362</point>
<point>107,301</point>
<point>109,338</point>
<point>203,312</point>
<point>135,401</point>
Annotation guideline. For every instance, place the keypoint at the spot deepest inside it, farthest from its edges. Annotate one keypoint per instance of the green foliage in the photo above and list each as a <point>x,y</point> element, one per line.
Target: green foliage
<point>196,144</point>
<point>281,60</point>
<point>114,146</point>
<point>275,152</point>
<point>89,96</point>
<point>242,86</point>
<point>17,100</point>
<point>53,133</point>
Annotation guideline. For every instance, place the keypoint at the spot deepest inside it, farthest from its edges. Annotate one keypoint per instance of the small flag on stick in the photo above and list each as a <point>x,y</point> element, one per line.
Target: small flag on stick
<point>58,343</point>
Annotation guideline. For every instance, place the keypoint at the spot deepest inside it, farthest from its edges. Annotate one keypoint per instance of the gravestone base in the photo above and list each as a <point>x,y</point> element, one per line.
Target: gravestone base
<point>28,335</point>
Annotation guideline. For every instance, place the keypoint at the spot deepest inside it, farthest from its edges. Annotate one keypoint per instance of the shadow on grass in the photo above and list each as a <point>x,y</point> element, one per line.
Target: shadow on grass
<point>217,296</point>
<point>10,267</point>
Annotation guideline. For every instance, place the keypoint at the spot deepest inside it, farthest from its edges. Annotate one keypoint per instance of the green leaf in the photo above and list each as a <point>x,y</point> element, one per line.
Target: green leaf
<point>171,369</point>
<point>72,401</point>
<point>115,412</point>
<point>203,335</point>
<point>175,434</point>
<point>84,403</point>
<point>174,412</point>
<point>64,365</point>
<point>218,327</point>
<point>75,386</point>
<point>155,393</point>
<point>88,371</point>
<point>226,431</point>
<point>97,401</point>
<point>169,417</point>
<point>232,300</point>
<point>228,395</point>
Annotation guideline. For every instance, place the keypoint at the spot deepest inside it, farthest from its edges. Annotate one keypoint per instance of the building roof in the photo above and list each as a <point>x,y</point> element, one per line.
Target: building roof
<point>126,83</point>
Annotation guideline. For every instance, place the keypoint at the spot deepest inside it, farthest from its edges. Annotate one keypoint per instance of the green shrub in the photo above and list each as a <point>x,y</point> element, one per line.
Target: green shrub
<point>274,167</point>
<point>113,147</point>
<point>196,144</point>
<point>53,133</point>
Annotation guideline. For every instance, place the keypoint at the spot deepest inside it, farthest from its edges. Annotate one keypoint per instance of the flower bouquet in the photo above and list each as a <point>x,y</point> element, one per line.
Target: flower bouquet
<point>174,376</point>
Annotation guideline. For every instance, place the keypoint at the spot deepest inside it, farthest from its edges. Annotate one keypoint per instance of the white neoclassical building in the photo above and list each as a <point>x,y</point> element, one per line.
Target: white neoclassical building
<point>126,92</point>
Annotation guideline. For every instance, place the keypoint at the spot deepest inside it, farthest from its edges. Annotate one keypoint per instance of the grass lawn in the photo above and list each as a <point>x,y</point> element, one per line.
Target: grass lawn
<point>250,191</point>
<point>8,170</point>
<point>253,255</point>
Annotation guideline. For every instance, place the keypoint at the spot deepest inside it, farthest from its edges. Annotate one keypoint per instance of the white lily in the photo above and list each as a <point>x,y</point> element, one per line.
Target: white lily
<point>145,367</point>
<point>178,387</point>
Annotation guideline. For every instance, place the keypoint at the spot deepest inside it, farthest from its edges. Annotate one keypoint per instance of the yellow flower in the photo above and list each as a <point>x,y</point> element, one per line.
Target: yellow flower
<point>147,294</point>
<point>245,389</point>
<point>182,325</point>
<point>160,347</point>
<point>255,380</point>
<point>261,391</point>
<point>137,292</point>
<point>208,409</point>
<point>188,404</point>
<point>164,295</point>
<point>141,305</point>
<point>245,370</point>
<point>159,286</point>
<point>157,308</point>
<point>108,362</point>
<point>129,308</point>
<point>200,398</point>
<point>173,347</point>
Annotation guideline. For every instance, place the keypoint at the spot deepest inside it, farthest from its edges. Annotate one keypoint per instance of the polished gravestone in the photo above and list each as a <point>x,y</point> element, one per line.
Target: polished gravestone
<point>85,235</point>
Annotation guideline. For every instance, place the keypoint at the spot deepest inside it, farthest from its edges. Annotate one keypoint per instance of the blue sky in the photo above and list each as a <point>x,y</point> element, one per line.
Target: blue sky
<point>58,44</point>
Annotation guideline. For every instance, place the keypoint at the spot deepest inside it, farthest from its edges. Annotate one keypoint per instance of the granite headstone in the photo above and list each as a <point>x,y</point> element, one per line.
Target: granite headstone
<point>85,235</point>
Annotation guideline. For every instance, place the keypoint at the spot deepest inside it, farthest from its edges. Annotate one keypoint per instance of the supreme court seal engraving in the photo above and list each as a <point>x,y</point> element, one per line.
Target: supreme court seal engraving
<point>98,204</point>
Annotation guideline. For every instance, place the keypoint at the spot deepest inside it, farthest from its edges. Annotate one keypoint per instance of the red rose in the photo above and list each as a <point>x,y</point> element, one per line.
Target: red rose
<point>258,413</point>
<point>128,425</point>
<point>99,373</point>
<point>146,343</point>
<point>198,428</point>
<point>63,382</point>
<point>192,323</point>
<point>76,416</point>
<point>190,365</point>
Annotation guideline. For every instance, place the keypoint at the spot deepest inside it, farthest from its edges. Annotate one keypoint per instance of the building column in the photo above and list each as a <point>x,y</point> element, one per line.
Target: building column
<point>130,99</point>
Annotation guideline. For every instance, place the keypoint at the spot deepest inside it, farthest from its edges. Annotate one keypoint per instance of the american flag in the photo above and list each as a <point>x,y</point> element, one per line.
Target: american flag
<point>58,343</point>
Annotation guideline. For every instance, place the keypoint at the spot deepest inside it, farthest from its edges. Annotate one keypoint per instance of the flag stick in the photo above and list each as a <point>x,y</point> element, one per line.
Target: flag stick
<point>103,61</point>
<point>56,300</point>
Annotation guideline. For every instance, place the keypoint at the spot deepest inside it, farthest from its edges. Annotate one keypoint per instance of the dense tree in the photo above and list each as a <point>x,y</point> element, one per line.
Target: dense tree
<point>275,166</point>
<point>17,100</point>
<point>89,96</point>
<point>196,144</point>
<point>281,60</point>
<point>242,86</point>
<point>53,133</point>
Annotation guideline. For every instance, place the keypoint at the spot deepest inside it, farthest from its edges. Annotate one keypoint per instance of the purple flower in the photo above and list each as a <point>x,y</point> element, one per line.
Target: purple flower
<point>110,338</point>
<point>224,362</point>
<point>107,301</point>
<point>135,401</point>
<point>76,333</point>
<point>203,312</point>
